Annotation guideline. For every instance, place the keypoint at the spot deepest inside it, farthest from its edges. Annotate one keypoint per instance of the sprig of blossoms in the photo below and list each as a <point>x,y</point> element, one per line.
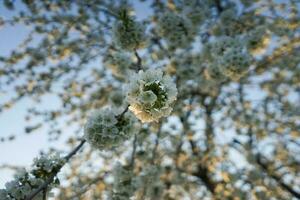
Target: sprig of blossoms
<point>25,182</point>
<point>106,128</point>
<point>176,29</point>
<point>45,165</point>
<point>128,34</point>
<point>151,94</point>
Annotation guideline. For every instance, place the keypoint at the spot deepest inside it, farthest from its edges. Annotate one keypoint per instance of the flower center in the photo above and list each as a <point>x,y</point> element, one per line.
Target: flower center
<point>160,93</point>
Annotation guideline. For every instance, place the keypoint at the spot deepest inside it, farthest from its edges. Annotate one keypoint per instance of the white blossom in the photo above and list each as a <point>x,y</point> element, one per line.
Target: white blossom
<point>105,128</point>
<point>128,34</point>
<point>47,163</point>
<point>25,182</point>
<point>235,63</point>
<point>151,94</point>
<point>229,58</point>
<point>176,29</point>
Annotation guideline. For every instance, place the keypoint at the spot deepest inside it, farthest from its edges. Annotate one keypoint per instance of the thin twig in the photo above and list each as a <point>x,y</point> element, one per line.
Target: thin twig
<point>139,61</point>
<point>124,111</point>
<point>133,151</point>
<point>156,144</point>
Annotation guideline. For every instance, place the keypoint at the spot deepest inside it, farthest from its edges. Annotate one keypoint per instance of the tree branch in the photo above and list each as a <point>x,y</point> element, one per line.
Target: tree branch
<point>266,168</point>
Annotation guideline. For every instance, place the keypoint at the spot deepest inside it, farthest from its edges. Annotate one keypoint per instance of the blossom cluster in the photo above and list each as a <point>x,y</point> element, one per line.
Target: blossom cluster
<point>150,95</point>
<point>107,128</point>
<point>176,29</point>
<point>230,58</point>
<point>25,182</point>
<point>235,63</point>
<point>128,34</point>
<point>232,24</point>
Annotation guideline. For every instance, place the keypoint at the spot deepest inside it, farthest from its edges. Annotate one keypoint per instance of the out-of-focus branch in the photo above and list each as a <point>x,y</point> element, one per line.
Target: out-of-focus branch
<point>266,168</point>
<point>86,187</point>
<point>219,6</point>
<point>202,171</point>
<point>133,151</point>
<point>154,152</point>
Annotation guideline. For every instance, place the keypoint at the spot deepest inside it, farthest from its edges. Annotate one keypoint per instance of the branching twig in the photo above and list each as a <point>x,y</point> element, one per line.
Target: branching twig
<point>279,181</point>
<point>124,111</point>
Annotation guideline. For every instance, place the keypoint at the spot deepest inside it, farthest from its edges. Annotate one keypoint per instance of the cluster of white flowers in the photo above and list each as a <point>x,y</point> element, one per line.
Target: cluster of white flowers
<point>230,58</point>
<point>127,33</point>
<point>26,182</point>
<point>235,63</point>
<point>186,67</point>
<point>232,24</point>
<point>47,164</point>
<point>150,95</point>
<point>119,63</point>
<point>176,29</point>
<point>222,44</point>
<point>23,184</point>
<point>107,128</point>
<point>124,183</point>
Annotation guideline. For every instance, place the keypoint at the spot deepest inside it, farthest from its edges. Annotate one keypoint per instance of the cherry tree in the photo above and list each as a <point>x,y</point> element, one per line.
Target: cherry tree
<point>197,99</point>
